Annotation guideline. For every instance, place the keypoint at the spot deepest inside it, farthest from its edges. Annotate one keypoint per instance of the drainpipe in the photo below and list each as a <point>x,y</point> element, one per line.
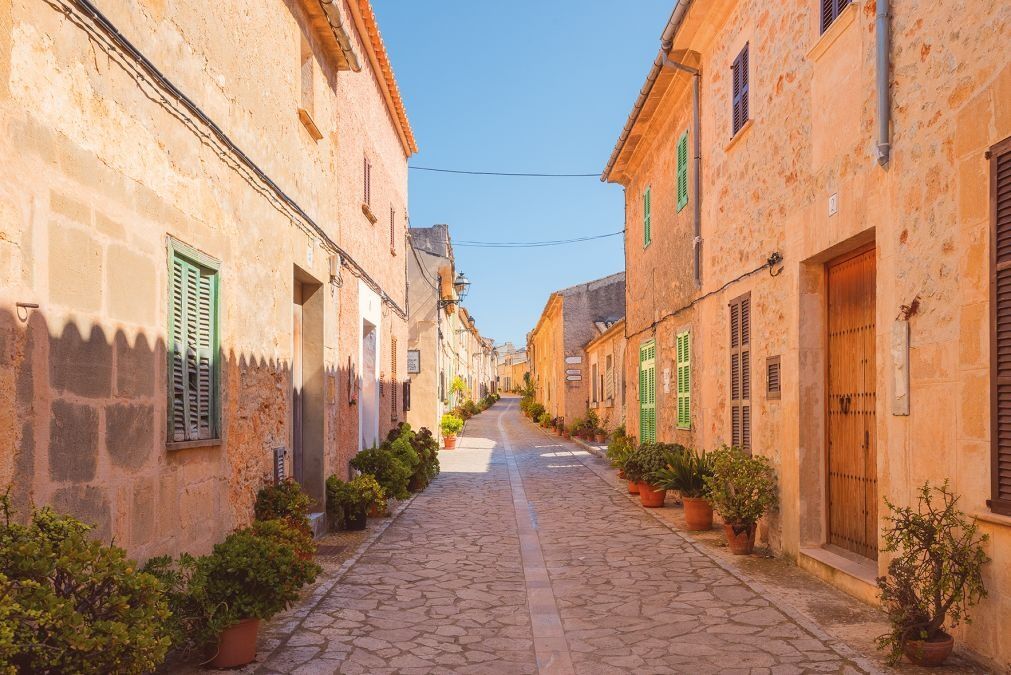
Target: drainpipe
<point>697,150</point>
<point>883,66</point>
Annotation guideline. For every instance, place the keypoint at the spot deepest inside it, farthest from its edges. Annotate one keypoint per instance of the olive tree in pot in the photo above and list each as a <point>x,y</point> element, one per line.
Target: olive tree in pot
<point>742,489</point>
<point>450,425</point>
<point>642,466</point>
<point>935,578</point>
<point>686,474</point>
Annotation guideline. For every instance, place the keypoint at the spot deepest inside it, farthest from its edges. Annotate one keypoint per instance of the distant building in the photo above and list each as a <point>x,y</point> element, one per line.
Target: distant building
<point>512,366</point>
<point>605,357</point>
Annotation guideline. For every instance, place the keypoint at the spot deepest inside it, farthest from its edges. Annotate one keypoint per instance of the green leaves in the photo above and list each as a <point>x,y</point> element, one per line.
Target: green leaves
<point>450,424</point>
<point>686,472</point>
<point>286,500</point>
<point>742,488</point>
<point>649,458</point>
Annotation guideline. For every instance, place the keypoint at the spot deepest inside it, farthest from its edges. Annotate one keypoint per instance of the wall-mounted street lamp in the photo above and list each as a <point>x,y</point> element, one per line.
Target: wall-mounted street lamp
<point>462,285</point>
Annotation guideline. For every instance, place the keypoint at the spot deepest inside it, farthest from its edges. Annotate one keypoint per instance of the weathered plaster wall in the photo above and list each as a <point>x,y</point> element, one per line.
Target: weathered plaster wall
<point>609,408</point>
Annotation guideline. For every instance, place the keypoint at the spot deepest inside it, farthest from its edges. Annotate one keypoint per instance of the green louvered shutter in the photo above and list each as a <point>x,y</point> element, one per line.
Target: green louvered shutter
<point>647,392</point>
<point>647,227</point>
<point>683,171</point>
<point>193,367</point>
<point>684,380</point>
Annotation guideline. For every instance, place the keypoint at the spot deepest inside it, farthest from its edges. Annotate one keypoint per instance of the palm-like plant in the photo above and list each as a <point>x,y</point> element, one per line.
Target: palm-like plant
<point>686,473</point>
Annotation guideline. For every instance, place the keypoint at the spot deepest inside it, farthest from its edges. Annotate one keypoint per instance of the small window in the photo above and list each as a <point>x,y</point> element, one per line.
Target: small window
<point>393,378</point>
<point>367,181</point>
<point>773,379</point>
<point>647,228</point>
<point>740,372</point>
<point>609,377</point>
<point>1000,327</point>
<point>684,377</point>
<point>593,380</point>
<point>683,171</point>
<point>194,377</point>
<point>740,90</point>
<point>830,11</point>
<point>393,231</point>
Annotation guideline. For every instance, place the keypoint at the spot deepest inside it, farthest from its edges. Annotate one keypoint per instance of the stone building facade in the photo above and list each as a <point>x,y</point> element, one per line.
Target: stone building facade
<point>202,247</point>
<point>512,366</point>
<point>841,201</point>
<point>605,360</point>
<point>556,347</point>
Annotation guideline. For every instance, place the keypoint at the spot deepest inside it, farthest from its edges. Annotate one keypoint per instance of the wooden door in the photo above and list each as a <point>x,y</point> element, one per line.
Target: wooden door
<point>296,383</point>
<point>851,399</point>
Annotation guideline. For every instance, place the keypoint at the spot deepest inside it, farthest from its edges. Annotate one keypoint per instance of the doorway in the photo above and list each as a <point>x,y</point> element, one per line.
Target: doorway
<point>851,403</point>
<point>307,375</point>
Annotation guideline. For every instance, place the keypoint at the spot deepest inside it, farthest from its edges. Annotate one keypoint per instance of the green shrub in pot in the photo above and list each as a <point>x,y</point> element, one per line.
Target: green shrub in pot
<point>450,424</point>
<point>619,448</point>
<point>648,458</point>
<point>286,501</point>
<point>686,473</point>
<point>348,502</point>
<point>742,489</point>
<point>392,473</point>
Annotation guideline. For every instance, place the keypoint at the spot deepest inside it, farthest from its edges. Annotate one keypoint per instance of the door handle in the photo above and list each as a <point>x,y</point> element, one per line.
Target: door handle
<point>844,404</point>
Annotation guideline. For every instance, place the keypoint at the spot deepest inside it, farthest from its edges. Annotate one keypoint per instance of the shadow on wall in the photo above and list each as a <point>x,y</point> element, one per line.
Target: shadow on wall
<point>85,432</point>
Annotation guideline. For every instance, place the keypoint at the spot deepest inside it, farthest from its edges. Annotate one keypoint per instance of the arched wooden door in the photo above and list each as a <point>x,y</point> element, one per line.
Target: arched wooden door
<point>851,404</point>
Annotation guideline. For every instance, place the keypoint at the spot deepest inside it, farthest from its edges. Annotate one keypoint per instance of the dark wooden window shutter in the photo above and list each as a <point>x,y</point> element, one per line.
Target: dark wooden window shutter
<point>739,79</point>
<point>393,378</point>
<point>407,395</point>
<point>367,181</point>
<point>393,233</point>
<point>830,10</point>
<point>1000,326</point>
<point>773,378</point>
<point>740,372</point>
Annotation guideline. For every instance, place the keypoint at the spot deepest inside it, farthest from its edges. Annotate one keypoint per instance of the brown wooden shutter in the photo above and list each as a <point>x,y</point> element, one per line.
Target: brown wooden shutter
<point>773,378</point>
<point>830,10</point>
<point>393,378</point>
<point>1000,326</point>
<point>393,234</point>
<point>740,372</point>
<point>739,83</point>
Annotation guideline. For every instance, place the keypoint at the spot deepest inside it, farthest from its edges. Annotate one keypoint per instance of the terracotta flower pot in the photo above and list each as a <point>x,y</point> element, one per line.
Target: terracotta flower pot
<point>740,538</point>
<point>650,498</point>
<point>929,653</point>
<point>600,438</point>
<point>621,474</point>
<point>698,514</point>
<point>633,487</point>
<point>355,519</point>
<point>237,645</point>
<point>449,442</point>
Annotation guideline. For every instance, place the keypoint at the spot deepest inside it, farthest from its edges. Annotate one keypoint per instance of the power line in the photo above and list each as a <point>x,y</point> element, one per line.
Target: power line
<point>506,173</point>
<point>532,244</point>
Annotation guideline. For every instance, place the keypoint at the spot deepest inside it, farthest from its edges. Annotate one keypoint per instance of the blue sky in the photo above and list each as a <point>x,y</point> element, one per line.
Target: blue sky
<point>520,86</point>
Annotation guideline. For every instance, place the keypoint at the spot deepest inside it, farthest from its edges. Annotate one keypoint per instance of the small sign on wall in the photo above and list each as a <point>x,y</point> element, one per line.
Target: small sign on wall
<point>573,359</point>
<point>666,380</point>
<point>413,361</point>
<point>573,378</point>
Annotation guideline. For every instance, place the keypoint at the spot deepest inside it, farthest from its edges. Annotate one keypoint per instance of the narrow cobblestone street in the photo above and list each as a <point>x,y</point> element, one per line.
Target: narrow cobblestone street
<point>519,559</point>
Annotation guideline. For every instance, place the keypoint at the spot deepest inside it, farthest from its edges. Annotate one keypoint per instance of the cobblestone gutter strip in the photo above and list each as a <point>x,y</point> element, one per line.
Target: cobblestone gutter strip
<point>801,618</point>
<point>294,619</point>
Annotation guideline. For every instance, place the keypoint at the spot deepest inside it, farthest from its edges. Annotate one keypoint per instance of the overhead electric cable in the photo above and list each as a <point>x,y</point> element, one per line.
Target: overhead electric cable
<point>507,173</point>
<point>533,244</point>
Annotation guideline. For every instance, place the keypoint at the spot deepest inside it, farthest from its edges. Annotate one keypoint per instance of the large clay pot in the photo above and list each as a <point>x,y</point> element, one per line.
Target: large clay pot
<point>237,645</point>
<point>650,498</point>
<point>355,519</point>
<point>929,653</point>
<point>698,514</point>
<point>449,442</point>
<point>633,487</point>
<point>600,438</point>
<point>740,538</point>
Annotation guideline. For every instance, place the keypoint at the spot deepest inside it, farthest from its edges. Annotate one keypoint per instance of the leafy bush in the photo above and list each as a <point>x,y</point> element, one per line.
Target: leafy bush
<point>742,488</point>
<point>649,458</point>
<point>937,574</point>
<point>286,501</point>
<point>458,386</point>
<point>390,472</point>
<point>353,496</point>
<point>545,419</point>
<point>400,443</point>
<point>470,408</point>
<point>186,626</point>
<point>536,411</point>
<point>525,403</point>
<point>619,448</point>
<point>686,472</point>
<point>73,605</point>
<point>427,447</point>
<point>247,576</point>
<point>450,424</point>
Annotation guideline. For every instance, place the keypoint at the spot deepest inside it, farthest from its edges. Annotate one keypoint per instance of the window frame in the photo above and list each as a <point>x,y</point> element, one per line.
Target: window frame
<point>830,11</point>
<point>740,85</point>
<point>647,218</point>
<point>191,255</point>
<point>683,363</point>
<point>997,503</point>
<point>741,350</point>
<point>682,171</point>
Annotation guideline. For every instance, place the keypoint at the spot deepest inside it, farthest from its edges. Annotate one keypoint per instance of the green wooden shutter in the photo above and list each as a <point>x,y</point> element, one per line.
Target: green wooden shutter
<point>684,380</point>
<point>647,228</point>
<point>647,392</point>
<point>683,171</point>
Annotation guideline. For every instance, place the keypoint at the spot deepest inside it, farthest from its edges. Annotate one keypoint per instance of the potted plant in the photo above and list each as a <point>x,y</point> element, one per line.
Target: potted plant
<point>348,503</point>
<point>686,474</point>
<point>567,431</point>
<point>544,420</point>
<point>246,579</point>
<point>450,425</point>
<point>285,501</point>
<point>935,577</point>
<point>641,466</point>
<point>600,435</point>
<point>742,489</point>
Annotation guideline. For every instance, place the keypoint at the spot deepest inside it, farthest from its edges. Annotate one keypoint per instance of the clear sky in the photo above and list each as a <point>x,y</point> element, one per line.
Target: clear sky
<point>520,86</point>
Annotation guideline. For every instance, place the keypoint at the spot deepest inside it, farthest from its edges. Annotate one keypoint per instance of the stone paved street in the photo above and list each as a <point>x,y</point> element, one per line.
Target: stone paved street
<point>519,559</point>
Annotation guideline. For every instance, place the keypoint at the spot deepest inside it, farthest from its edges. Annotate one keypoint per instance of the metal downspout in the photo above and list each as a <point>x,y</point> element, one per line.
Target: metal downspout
<point>883,67</point>
<point>697,150</point>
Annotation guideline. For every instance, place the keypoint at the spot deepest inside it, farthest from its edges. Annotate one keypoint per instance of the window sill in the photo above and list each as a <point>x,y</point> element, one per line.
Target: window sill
<point>186,445</point>
<point>991,517</point>
<point>838,27</point>
<point>309,125</point>
<point>740,133</point>
<point>368,213</point>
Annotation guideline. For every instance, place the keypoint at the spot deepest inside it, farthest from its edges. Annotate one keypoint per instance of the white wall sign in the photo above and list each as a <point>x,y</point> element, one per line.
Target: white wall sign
<point>573,378</point>
<point>413,361</point>
<point>573,371</point>
<point>666,380</point>
<point>573,359</point>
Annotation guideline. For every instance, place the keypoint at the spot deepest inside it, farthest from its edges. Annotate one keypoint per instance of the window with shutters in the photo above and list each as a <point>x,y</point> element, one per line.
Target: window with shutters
<point>739,79</point>
<point>647,392</point>
<point>740,372</point>
<point>684,379</point>
<point>609,378</point>
<point>593,384</point>
<point>830,11</point>
<point>393,378</point>
<point>194,377</point>
<point>773,378</point>
<point>366,181</point>
<point>393,231</point>
<point>647,229</point>
<point>683,171</point>
<point>1000,329</point>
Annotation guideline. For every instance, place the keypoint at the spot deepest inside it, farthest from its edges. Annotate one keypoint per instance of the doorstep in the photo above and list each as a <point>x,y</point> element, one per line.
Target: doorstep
<point>849,573</point>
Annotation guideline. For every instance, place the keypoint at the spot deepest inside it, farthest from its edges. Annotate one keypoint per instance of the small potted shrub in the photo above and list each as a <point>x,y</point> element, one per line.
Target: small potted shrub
<point>246,579</point>
<point>535,411</point>
<point>642,465</point>
<point>933,580</point>
<point>348,503</point>
<point>686,474</point>
<point>390,471</point>
<point>450,425</point>
<point>285,501</point>
<point>600,435</point>
<point>544,420</point>
<point>742,489</point>
<point>568,430</point>
<point>427,449</point>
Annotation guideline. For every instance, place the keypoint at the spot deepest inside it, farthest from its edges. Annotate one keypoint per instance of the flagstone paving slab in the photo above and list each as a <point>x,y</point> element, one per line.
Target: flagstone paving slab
<point>519,559</point>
